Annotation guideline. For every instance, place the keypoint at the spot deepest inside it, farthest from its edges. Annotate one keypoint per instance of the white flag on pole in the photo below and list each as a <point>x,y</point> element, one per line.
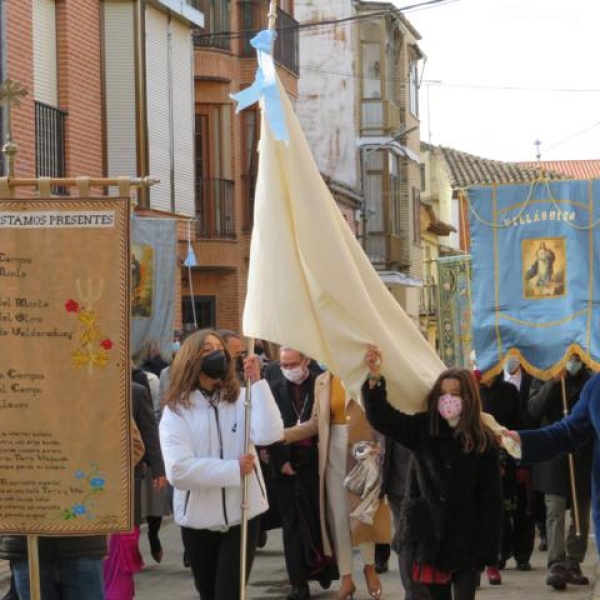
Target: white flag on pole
<point>311,286</point>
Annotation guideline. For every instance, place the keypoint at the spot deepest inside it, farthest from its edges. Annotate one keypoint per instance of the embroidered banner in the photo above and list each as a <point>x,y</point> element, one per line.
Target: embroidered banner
<point>535,276</point>
<point>65,459</point>
<point>153,266</point>
<point>454,315</point>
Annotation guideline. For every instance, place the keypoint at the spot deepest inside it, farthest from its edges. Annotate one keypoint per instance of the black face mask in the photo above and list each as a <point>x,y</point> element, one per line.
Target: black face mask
<point>215,364</point>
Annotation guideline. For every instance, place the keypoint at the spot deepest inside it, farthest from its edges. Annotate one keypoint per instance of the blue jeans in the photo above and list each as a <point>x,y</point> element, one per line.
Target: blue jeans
<point>63,579</point>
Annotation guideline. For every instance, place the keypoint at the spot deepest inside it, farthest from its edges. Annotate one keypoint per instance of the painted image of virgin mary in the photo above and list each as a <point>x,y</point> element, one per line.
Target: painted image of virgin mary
<point>543,267</point>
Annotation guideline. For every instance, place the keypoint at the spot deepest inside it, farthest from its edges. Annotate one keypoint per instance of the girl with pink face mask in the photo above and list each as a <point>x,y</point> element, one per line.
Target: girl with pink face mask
<point>449,526</point>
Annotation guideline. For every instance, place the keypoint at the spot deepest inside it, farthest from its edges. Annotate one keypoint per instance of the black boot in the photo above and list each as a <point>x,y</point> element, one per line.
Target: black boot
<point>299,592</point>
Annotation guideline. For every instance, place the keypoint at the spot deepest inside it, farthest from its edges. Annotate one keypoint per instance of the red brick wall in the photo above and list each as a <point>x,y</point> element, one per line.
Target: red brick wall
<point>79,84</point>
<point>19,61</point>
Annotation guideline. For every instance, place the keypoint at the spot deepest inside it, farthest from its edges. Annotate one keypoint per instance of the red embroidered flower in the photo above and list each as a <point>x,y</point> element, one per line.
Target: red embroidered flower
<point>106,344</point>
<point>71,306</point>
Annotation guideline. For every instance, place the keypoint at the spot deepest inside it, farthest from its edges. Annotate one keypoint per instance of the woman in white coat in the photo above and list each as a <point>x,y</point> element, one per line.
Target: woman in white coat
<point>202,439</point>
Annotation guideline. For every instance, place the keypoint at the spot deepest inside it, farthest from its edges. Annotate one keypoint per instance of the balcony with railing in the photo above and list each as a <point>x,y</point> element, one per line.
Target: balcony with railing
<point>50,158</point>
<point>428,301</point>
<point>253,18</point>
<point>217,24</point>
<point>215,216</point>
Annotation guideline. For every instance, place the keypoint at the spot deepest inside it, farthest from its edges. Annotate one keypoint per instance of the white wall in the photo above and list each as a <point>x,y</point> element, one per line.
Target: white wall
<point>327,88</point>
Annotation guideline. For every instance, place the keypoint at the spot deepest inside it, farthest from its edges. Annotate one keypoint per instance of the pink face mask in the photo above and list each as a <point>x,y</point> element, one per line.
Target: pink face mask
<point>450,407</point>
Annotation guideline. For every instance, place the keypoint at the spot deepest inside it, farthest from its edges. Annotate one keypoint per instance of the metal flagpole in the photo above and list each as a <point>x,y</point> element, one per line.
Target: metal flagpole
<point>244,532</point>
<point>574,499</point>
<point>247,410</point>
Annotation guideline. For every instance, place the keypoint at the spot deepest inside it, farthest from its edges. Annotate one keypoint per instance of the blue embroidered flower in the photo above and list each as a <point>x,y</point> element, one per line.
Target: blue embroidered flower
<point>79,474</point>
<point>79,509</point>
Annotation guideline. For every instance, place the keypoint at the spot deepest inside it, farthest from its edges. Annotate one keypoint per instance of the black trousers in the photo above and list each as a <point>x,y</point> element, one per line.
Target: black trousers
<point>462,586</point>
<point>215,559</point>
<point>523,526</point>
<point>299,516</point>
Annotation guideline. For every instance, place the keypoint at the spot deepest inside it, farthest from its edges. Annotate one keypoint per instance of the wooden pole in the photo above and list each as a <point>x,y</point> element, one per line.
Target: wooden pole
<point>33,557</point>
<point>74,181</point>
<point>574,499</point>
<point>247,410</point>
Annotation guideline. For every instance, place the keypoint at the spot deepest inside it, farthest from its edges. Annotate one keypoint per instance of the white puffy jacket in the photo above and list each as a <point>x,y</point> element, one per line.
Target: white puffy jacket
<point>201,446</point>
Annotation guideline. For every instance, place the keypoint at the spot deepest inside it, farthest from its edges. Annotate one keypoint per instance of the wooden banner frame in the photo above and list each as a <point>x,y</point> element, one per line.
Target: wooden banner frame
<point>33,315</point>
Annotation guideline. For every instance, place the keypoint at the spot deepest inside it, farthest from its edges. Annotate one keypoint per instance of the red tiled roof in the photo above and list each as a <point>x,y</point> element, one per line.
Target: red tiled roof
<point>577,169</point>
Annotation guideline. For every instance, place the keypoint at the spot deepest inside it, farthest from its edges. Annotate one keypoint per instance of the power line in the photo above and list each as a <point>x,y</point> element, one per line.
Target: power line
<point>327,22</point>
<point>510,88</point>
<point>573,136</point>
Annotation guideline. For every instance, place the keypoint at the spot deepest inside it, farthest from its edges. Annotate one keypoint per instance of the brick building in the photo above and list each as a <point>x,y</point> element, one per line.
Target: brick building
<point>225,153</point>
<point>110,94</point>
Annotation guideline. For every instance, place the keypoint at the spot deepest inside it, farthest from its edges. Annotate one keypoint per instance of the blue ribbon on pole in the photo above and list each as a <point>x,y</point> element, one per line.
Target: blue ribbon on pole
<point>264,86</point>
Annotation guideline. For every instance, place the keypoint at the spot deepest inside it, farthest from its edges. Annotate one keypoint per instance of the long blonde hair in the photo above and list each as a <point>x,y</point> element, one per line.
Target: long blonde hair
<point>185,371</point>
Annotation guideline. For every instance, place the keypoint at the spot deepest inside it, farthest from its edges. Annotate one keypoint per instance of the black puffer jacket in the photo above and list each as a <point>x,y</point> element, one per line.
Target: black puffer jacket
<point>452,510</point>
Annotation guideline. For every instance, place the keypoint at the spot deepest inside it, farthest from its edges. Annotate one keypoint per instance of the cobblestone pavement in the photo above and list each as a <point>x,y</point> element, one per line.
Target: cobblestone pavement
<point>171,581</point>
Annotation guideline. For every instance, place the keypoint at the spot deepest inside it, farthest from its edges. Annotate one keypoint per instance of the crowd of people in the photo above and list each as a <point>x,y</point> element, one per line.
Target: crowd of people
<point>338,473</point>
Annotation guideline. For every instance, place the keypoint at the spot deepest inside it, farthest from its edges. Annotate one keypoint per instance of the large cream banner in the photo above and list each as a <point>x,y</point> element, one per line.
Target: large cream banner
<point>65,460</point>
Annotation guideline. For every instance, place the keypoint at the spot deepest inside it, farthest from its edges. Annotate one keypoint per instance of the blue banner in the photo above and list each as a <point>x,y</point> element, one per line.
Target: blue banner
<point>152,284</point>
<point>535,256</point>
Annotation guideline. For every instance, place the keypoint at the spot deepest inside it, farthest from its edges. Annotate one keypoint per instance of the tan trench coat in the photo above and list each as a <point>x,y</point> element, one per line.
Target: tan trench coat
<point>358,430</point>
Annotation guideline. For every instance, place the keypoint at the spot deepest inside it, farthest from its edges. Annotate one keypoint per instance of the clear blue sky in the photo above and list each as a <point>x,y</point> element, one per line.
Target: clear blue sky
<point>504,73</point>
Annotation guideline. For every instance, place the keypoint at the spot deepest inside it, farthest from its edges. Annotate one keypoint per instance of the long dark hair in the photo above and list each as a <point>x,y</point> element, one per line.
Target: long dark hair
<point>474,435</point>
<point>185,370</point>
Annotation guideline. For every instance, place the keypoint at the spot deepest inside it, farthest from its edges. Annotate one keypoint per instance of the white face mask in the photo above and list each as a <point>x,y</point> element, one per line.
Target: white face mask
<point>295,375</point>
<point>573,366</point>
<point>512,364</point>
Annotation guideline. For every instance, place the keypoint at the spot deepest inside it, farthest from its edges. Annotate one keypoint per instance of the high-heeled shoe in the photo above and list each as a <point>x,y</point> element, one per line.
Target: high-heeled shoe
<point>373,583</point>
<point>346,592</point>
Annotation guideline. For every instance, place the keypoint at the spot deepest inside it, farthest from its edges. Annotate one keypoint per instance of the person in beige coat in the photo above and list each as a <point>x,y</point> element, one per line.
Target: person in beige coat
<point>340,422</point>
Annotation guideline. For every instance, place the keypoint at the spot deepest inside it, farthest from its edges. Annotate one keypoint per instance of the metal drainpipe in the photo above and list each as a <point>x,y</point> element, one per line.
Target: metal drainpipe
<point>3,124</point>
<point>141,102</point>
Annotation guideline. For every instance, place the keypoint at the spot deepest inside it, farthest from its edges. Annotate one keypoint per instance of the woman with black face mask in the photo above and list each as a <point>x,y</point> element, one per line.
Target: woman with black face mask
<point>202,439</point>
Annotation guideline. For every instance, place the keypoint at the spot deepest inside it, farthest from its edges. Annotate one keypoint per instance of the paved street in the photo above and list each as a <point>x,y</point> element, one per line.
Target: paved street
<point>170,581</point>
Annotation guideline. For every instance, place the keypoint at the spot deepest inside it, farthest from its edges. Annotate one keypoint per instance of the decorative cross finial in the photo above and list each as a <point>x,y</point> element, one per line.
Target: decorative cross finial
<point>538,154</point>
<point>11,93</point>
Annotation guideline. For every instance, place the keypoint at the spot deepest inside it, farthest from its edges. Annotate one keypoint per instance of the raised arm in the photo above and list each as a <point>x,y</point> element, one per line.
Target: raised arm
<point>565,435</point>
<point>380,413</point>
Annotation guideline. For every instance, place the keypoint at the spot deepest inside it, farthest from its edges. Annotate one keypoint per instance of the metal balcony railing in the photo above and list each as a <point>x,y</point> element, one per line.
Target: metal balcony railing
<point>253,18</point>
<point>249,187</point>
<point>215,216</point>
<point>428,304</point>
<point>50,158</point>
<point>217,24</point>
